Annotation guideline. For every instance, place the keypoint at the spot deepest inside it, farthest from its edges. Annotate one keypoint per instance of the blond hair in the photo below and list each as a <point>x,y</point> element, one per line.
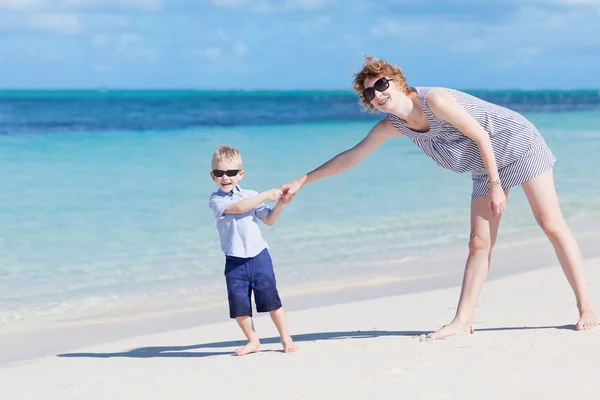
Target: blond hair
<point>374,68</point>
<point>225,153</point>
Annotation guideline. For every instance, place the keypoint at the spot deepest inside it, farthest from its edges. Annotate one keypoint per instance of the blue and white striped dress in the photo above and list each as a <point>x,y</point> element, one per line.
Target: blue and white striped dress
<point>520,150</point>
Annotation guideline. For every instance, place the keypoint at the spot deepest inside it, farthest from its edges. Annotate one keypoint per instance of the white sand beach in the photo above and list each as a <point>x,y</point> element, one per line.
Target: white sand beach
<point>524,346</point>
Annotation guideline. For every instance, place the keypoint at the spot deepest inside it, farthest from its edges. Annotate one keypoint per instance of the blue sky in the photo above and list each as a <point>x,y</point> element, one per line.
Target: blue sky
<point>297,44</point>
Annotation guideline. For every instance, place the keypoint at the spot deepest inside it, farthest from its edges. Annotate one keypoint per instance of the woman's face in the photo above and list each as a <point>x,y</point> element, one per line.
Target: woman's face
<point>382,93</point>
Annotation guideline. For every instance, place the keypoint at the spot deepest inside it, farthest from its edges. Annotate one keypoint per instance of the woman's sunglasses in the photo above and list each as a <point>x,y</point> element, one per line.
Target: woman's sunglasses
<point>380,85</point>
<point>230,172</point>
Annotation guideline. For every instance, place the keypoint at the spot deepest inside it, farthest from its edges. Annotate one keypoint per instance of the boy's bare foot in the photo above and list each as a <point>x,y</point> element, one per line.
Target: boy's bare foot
<point>452,329</point>
<point>288,345</point>
<point>587,321</point>
<point>250,347</point>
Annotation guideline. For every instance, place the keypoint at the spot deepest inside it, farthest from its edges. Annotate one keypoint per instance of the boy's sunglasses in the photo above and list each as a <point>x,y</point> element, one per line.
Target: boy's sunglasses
<point>230,172</point>
<point>380,85</point>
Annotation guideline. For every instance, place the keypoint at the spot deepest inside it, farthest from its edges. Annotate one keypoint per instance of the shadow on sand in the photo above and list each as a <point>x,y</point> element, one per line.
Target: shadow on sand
<point>184,351</point>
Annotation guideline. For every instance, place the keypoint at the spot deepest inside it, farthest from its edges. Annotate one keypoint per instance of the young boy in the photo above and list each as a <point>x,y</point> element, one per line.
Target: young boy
<point>248,265</point>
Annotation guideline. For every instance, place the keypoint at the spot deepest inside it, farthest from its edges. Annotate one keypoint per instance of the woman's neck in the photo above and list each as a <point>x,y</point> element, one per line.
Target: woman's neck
<point>411,112</point>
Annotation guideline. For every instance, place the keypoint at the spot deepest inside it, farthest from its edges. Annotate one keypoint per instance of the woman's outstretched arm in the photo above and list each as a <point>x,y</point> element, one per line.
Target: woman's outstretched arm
<point>345,160</point>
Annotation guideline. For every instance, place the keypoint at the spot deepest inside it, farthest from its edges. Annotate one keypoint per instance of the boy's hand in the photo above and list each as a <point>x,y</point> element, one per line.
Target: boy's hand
<point>274,194</point>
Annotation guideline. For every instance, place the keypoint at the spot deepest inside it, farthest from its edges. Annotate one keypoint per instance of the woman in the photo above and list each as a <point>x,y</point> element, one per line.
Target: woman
<point>462,133</point>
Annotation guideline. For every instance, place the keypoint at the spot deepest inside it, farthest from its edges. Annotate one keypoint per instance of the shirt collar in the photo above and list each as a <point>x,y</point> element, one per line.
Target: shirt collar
<point>236,189</point>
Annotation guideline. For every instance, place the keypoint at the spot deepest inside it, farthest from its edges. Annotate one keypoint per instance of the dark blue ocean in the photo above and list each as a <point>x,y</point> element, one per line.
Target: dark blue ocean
<point>92,111</point>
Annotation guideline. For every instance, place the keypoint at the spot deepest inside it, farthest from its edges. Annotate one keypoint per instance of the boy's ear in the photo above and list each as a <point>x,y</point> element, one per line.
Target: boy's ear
<point>241,175</point>
<point>212,175</point>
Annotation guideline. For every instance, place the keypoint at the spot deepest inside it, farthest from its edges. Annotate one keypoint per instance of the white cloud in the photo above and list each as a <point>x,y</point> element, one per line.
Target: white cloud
<point>303,4</point>
<point>53,5</point>
<point>54,22</point>
<point>528,37</point>
<point>137,4</point>
<point>273,6</point>
<point>269,7</point>
<point>523,35</point>
<point>537,30</point>
<point>62,23</point>
<point>229,3</point>
<point>94,22</point>
<point>264,7</point>
<point>547,18</point>
<point>581,2</point>
<point>532,2</point>
<point>19,4</point>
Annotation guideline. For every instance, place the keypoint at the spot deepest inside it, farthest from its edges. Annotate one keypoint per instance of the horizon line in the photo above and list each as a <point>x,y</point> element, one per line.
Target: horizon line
<point>102,89</point>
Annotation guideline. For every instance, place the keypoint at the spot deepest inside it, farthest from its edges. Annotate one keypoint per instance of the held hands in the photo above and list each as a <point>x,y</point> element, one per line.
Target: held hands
<point>290,189</point>
<point>285,199</point>
<point>497,200</point>
<point>278,195</point>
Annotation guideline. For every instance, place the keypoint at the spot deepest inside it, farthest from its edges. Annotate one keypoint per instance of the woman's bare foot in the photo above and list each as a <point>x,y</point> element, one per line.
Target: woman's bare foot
<point>587,321</point>
<point>288,345</point>
<point>250,347</point>
<point>452,329</point>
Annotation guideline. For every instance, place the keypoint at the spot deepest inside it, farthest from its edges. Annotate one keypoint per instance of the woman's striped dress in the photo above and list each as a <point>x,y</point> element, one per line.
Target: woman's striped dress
<point>520,150</point>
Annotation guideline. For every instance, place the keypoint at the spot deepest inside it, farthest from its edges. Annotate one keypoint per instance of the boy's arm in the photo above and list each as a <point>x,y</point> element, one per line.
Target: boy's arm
<point>246,205</point>
<point>272,216</point>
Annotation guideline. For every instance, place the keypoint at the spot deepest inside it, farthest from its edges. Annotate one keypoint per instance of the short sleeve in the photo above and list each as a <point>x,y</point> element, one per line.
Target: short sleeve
<point>218,204</point>
<point>261,210</point>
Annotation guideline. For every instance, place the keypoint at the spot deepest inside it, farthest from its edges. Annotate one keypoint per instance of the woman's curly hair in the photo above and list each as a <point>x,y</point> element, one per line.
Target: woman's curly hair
<point>375,68</point>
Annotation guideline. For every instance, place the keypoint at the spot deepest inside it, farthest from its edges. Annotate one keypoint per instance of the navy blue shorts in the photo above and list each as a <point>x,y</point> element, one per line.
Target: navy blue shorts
<point>247,275</point>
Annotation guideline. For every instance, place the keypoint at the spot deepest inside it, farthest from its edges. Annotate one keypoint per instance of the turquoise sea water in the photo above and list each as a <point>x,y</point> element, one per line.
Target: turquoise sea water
<point>97,217</point>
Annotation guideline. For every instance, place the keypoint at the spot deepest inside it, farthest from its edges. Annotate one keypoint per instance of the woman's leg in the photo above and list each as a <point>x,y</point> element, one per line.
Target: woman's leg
<point>541,193</point>
<point>484,230</point>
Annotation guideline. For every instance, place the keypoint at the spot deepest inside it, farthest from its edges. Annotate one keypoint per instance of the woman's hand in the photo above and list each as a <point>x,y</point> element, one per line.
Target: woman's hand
<point>497,199</point>
<point>290,188</point>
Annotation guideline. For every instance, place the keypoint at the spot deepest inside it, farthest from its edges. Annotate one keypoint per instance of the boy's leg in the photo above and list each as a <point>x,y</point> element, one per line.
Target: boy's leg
<point>253,344</point>
<point>240,308</point>
<point>267,297</point>
<point>278,317</point>
<point>541,193</point>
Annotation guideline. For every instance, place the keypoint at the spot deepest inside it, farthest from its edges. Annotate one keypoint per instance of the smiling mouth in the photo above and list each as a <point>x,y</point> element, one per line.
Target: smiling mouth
<point>383,101</point>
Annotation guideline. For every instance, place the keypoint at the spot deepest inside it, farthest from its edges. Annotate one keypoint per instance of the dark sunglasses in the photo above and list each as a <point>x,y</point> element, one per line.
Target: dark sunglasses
<point>380,85</point>
<point>230,172</point>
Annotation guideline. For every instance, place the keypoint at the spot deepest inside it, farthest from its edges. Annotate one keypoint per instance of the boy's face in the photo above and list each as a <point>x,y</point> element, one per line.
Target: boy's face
<point>224,182</point>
